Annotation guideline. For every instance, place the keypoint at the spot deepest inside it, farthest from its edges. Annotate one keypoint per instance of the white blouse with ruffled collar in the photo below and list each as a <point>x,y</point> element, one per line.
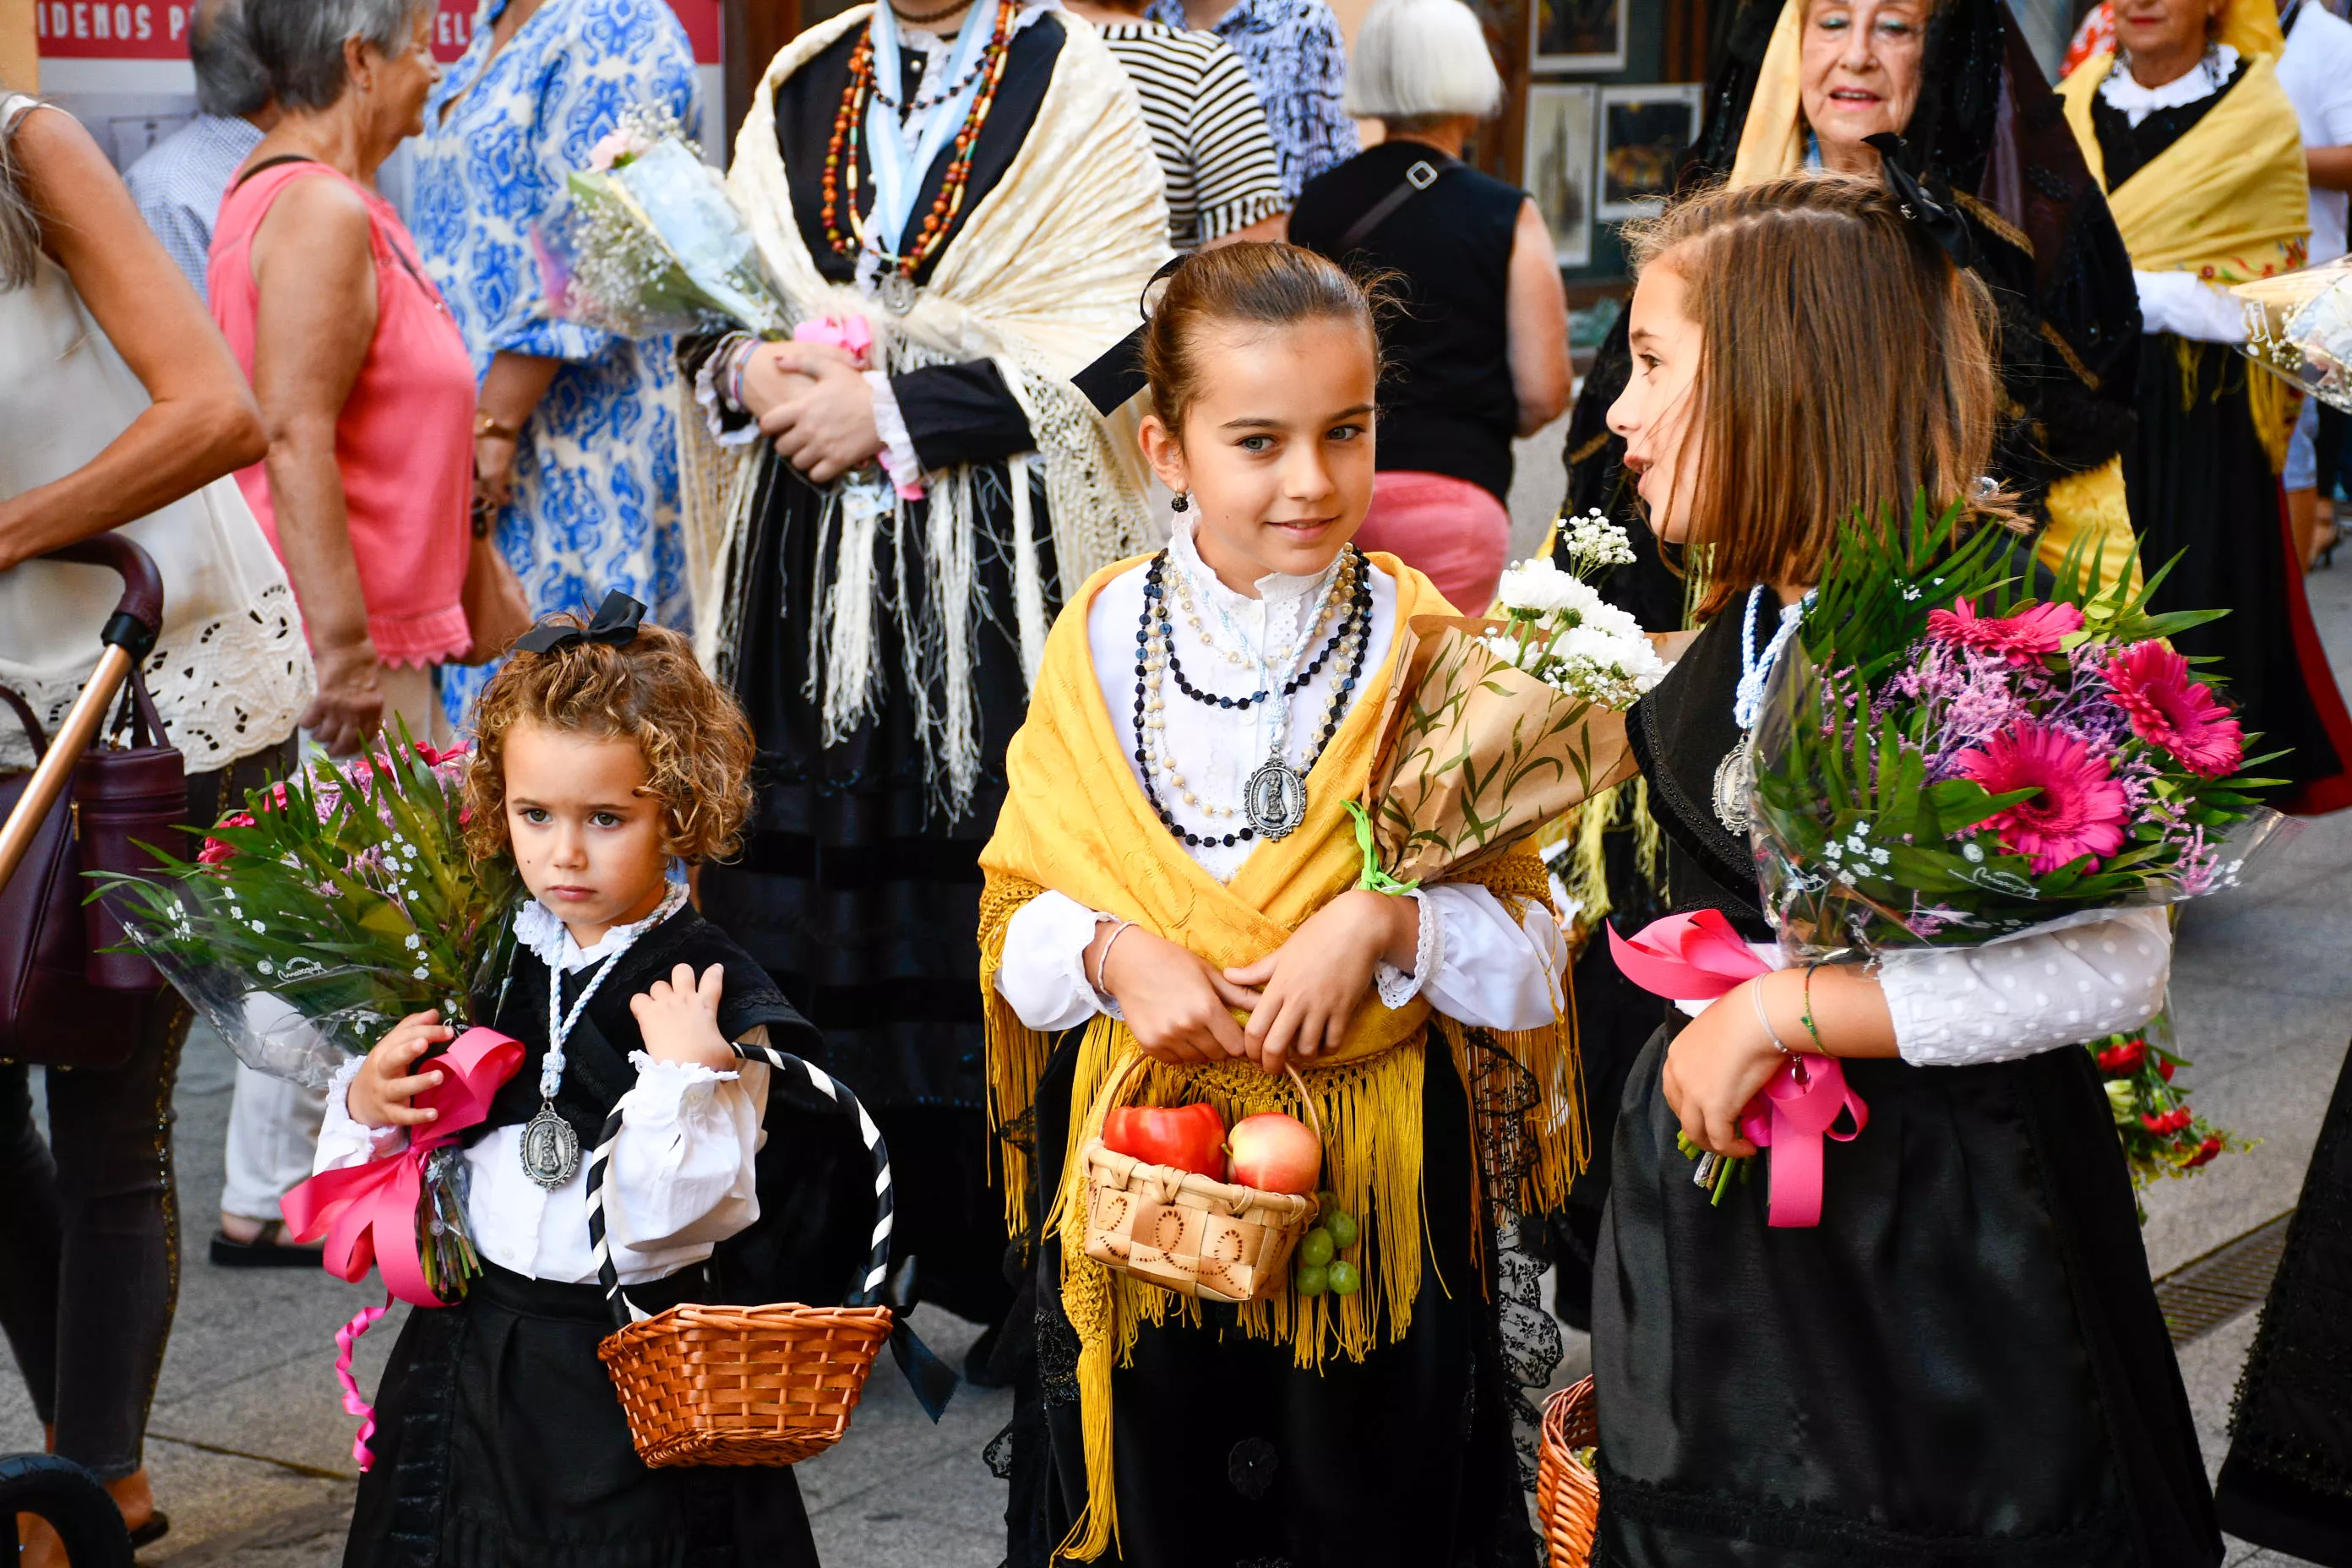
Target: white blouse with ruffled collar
<point>1476,963</point>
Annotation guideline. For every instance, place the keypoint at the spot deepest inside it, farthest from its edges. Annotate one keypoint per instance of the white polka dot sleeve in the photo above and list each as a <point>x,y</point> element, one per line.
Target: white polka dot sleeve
<point>1954,1007</point>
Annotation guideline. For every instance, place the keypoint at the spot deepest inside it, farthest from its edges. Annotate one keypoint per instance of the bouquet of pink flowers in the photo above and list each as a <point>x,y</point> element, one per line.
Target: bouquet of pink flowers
<point>1944,760</point>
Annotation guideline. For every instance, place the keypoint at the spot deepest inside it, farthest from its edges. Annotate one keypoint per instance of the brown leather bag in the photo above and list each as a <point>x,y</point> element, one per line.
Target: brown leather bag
<point>497,609</point>
<point>64,1002</point>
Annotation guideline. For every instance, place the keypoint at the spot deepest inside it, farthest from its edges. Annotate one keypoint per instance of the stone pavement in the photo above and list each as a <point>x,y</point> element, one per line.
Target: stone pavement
<point>250,1448</point>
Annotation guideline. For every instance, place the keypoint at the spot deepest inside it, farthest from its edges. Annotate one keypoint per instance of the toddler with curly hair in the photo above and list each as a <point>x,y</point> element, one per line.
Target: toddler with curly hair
<point>603,753</point>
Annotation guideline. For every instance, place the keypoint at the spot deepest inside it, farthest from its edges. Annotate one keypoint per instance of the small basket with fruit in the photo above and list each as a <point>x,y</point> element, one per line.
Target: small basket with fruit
<point>1157,1208</point>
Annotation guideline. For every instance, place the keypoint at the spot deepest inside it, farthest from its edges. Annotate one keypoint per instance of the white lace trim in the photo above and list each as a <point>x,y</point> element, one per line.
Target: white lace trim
<point>227,686</point>
<point>898,459</point>
<point>1397,987</point>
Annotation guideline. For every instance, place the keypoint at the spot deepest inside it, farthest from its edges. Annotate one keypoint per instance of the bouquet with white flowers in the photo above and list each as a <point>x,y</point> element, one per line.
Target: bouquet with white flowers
<point>1559,628</point>
<point>1497,725</point>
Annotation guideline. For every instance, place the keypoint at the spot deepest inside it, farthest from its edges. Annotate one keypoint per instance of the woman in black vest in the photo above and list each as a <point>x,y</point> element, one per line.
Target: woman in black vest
<point>1477,349</point>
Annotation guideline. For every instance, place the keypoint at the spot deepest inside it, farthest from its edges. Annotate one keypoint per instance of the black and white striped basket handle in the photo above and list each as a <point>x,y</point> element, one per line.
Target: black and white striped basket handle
<point>877,1263</point>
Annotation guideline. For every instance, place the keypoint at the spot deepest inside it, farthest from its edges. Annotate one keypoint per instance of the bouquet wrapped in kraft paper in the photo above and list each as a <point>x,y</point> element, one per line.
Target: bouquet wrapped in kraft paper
<point>1496,725</point>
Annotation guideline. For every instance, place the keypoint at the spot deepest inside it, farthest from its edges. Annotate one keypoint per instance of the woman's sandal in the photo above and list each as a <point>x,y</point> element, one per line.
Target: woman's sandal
<point>264,1251</point>
<point>158,1525</point>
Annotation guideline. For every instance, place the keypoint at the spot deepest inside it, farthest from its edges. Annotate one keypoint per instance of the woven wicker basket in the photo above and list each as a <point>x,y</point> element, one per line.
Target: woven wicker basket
<point>742,1385</point>
<point>1186,1233</point>
<point>1568,1494</point>
<point>746,1386</point>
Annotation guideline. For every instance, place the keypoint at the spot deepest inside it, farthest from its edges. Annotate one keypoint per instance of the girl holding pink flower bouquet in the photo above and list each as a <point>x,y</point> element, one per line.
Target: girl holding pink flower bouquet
<point>1920,1328</point>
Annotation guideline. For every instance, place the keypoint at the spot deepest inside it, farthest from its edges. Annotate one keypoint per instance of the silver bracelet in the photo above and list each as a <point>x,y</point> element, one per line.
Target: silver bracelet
<point>1102,964</point>
<point>1756,998</point>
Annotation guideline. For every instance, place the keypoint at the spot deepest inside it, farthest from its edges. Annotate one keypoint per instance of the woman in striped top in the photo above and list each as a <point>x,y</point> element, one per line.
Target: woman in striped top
<point>1206,125</point>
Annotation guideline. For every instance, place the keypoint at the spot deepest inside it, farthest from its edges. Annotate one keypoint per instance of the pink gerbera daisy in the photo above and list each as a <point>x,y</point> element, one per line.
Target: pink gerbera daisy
<point>2080,810</point>
<point>2021,639</point>
<point>2173,714</point>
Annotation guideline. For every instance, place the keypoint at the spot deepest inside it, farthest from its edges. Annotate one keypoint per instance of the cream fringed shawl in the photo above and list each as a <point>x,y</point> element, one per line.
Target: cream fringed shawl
<point>1045,274</point>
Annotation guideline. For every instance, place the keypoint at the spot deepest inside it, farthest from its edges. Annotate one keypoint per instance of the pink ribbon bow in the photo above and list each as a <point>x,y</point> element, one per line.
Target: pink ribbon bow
<point>368,1213</point>
<point>1697,957</point>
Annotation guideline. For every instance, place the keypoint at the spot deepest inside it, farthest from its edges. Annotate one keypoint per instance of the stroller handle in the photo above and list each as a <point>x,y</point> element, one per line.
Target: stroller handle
<point>129,635</point>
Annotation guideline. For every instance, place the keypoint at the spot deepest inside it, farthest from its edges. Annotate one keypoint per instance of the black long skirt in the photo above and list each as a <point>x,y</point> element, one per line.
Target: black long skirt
<point>2201,488</point>
<point>859,893</point>
<point>1963,1365</point>
<point>1229,1456</point>
<point>2287,1483</point>
<point>501,1444</point>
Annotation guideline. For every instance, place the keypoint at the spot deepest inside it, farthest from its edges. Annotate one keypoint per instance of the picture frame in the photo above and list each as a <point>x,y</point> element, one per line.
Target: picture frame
<point>1577,35</point>
<point>1560,162</point>
<point>1643,129</point>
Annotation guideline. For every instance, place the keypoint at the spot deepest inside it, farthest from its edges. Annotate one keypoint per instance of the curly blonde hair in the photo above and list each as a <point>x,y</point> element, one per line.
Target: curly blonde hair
<point>692,733</point>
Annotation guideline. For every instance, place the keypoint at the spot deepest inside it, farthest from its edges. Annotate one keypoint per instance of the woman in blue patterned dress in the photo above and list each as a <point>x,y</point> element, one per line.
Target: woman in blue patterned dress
<point>574,445</point>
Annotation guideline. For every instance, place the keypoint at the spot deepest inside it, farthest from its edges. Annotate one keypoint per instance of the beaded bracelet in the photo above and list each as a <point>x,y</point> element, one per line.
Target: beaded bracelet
<point>1810,1027</point>
<point>1756,999</point>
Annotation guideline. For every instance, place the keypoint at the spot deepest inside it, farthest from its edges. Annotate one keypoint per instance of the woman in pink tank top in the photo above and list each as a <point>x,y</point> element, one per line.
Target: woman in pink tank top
<point>362,376</point>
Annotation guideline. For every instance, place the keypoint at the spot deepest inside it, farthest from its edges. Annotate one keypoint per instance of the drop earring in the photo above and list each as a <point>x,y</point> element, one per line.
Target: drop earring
<point>1182,501</point>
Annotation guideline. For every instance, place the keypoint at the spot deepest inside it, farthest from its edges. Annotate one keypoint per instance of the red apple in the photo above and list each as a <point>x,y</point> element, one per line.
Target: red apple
<point>1188,1137</point>
<point>1275,1152</point>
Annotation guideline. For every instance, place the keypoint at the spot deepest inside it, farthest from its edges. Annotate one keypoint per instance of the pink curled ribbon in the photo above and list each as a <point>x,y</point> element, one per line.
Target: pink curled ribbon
<point>1697,957</point>
<point>346,1338</point>
<point>368,1213</point>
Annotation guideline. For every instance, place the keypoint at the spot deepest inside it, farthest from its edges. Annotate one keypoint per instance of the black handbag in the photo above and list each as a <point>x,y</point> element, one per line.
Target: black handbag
<point>65,1001</point>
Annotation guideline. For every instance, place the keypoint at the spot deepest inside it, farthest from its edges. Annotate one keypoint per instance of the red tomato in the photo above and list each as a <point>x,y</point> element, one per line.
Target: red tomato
<point>1189,1137</point>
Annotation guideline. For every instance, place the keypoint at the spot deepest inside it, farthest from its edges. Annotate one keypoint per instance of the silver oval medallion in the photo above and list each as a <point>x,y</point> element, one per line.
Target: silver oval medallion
<point>1735,777</point>
<point>1275,799</point>
<point>551,1149</point>
<point>898,293</point>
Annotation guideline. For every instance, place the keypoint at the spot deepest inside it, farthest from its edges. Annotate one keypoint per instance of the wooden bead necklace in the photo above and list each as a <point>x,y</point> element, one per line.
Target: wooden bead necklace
<point>845,227</point>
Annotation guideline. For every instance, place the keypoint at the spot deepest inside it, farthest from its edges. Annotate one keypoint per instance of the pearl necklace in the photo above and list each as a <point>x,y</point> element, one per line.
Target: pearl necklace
<point>1342,588</point>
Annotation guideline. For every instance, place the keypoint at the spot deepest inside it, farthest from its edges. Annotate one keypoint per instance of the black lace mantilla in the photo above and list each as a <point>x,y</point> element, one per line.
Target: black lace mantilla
<point>1504,1095</point>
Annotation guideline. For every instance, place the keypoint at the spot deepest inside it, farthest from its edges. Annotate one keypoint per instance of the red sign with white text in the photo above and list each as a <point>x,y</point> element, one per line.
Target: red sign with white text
<point>112,30</point>
<point>158,29</point>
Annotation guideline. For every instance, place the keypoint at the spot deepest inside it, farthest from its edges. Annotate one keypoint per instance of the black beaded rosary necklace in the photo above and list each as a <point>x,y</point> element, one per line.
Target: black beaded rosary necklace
<point>1154,626</point>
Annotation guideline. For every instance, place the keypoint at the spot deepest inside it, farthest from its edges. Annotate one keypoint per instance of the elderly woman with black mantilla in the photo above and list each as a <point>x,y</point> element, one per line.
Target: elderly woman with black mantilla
<point>1806,83</point>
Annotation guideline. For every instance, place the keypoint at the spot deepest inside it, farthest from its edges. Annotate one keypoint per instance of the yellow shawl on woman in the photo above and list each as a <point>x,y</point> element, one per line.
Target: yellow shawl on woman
<point>2230,201</point>
<point>1076,821</point>
<point>1044,274</point>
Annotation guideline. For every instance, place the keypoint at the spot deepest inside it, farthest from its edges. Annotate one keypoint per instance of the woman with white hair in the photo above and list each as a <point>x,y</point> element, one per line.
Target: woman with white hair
<point>1477,350</point>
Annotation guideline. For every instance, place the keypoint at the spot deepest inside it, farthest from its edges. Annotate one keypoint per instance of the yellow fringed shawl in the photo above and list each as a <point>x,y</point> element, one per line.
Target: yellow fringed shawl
<point>2229,201</point>
<point>1076,821</point>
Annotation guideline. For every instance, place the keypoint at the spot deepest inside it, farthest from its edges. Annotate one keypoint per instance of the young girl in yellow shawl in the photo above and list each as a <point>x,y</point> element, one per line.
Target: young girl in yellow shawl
<point>1175,875</point>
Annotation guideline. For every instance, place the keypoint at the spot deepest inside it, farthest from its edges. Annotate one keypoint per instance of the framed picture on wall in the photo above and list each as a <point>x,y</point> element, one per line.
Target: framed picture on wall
<point>1644,130</point>
<point>1577,35</point>
<point>1560,164</point>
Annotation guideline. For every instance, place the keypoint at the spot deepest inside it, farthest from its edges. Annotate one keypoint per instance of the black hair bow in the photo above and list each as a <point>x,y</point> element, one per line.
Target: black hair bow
<point>615,623</point>
<point>1942,224</point>
<point>1118,375</point>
